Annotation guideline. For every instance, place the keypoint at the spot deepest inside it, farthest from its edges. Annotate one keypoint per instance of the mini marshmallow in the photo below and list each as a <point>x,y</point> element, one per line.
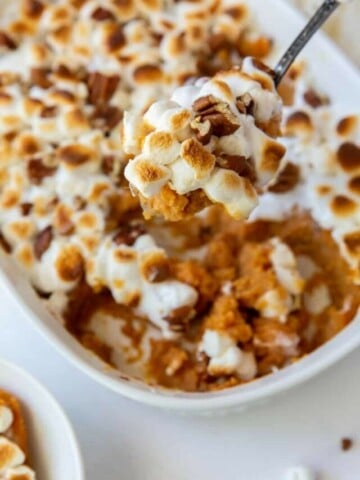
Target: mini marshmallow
<point>284,264</point>
<point>11,455</point>
<point>147,177</point>
<point>23,472</point>
<point>234,192</point>
<point>226,358</point>
<point>317,300</point>
<point>6,418</point>
<point>274,304</point>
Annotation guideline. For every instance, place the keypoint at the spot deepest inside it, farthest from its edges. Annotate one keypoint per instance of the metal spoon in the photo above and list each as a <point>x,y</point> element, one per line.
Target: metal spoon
<point>319,17</point>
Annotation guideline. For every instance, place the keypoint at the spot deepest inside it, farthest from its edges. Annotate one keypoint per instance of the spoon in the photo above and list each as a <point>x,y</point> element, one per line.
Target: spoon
<point>317,20</point>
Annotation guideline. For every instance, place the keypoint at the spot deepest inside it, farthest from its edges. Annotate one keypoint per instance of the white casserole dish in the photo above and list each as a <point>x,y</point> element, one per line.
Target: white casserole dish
<point>54,450</point>
<point>341,81</point>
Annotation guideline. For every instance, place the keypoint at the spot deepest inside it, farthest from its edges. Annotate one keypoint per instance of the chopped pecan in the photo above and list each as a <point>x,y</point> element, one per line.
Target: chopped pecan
<point>203,130</point>
<point>179,318</point>
<point>40,77</point>
<point>106,117</point>
<point>128,234</point>
<point>218,113</point>
<point>241,165</point>
<point>4,244</point>
<point>37,171</point>
<point>102,87</point>
<point>107,164</point>
<point>26,208</point>
<point>245,104</point>
<point>6,41</point>
<point>313,99</point>
<point>286,180</point>
<point>224,122</point>
<point>101,14</point>
<point>42,241</point>
<point>346,444</point>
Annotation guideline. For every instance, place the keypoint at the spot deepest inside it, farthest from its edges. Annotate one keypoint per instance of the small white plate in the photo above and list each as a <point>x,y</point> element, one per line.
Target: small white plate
<point>54,449</point>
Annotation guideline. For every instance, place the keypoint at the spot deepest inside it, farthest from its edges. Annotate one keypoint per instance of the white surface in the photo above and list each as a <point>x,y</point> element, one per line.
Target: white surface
<point>53,447</point>
<point>124,440</point>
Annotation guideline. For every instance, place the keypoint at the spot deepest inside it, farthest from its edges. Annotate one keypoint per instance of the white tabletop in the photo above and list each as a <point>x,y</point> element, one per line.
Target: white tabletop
<point>124,440</point>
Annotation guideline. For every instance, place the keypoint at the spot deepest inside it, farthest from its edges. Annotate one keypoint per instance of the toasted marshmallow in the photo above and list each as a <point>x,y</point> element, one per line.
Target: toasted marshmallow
<point>226,358</point>
<point>20,473</point>
<point>6,418</point>
<point>285,266</point>
<point>328,165</point>
<point>275,303</point>
<point>11,455</point>
<point>234,192</point>
<point>317,299</point>
<point>147,177</point>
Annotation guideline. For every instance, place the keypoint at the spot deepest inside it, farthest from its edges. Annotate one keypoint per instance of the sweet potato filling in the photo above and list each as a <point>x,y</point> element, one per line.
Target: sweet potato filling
<point>233,281</point>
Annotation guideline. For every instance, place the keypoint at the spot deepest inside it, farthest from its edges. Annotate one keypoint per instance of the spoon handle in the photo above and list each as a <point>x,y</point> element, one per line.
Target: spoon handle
<point>320,16</point>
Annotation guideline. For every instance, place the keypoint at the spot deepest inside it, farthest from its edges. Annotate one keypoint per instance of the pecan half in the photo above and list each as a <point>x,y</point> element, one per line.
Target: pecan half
<point>37,171</point>
<point>42,241</point>
<point>102,87</point>
<point>241,165</point>
<point>202,104</point>
<point>203,130</point>
<point>217,113</point>
<point>223,122</point>
<point>128,234</point>
<point>245,104</point>
<point>286,179</point>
